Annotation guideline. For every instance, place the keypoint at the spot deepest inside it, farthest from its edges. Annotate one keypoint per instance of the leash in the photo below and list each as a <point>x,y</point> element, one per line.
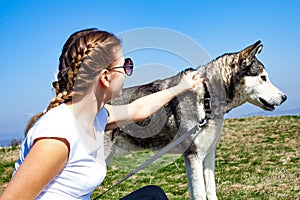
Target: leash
<point>177,141</point>
<point>164,150</point>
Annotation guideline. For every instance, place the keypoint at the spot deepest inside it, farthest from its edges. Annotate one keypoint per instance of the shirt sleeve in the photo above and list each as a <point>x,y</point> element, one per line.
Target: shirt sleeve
<point>101,120</point>
<point>60,127</point>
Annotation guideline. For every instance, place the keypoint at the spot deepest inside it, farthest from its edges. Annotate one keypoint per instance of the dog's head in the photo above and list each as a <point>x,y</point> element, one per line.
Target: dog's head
<point>251,82</point>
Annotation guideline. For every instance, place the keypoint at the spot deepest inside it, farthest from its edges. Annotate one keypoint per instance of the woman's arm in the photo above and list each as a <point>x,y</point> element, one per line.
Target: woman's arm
<point>44,161</point>
<point>147,105</point>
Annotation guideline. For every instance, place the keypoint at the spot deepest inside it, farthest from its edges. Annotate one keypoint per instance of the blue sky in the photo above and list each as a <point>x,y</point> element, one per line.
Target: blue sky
<point>33,33</point>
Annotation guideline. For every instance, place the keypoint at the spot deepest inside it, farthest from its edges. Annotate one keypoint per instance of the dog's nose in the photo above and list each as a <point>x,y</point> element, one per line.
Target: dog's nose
<point>283,98</point>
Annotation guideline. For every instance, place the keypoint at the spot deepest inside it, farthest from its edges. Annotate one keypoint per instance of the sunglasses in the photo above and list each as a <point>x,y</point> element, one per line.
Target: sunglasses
<point>128,66</point>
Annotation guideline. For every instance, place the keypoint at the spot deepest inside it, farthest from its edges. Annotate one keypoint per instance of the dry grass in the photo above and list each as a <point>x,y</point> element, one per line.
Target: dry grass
<point>257,158</point>
<point>8,157</point>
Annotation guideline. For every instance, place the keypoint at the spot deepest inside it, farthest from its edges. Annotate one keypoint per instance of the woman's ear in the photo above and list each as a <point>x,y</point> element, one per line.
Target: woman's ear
<point>105,78</point>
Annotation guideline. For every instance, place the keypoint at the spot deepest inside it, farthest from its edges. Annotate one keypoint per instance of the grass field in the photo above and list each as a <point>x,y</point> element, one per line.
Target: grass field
<point>257,158</point>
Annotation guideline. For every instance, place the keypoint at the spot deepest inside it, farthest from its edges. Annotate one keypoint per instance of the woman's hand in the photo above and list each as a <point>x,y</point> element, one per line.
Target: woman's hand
<point>190,81</point>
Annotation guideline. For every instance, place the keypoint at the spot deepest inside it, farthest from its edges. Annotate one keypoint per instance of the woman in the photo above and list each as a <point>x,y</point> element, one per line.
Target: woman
<point>57,158</point>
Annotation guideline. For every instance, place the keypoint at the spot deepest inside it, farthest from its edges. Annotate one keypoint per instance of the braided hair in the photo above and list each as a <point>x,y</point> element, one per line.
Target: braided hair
<point>83,56</point>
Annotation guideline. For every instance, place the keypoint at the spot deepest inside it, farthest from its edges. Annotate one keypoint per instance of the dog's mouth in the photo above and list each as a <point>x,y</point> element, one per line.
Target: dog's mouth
<point>266,105</point>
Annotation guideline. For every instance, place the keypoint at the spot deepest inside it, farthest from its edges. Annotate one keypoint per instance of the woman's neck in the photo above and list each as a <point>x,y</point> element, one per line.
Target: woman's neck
<point>85,111</point>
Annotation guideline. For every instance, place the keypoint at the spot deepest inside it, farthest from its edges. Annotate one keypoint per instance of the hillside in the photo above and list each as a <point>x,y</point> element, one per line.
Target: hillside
<point>257,158</point>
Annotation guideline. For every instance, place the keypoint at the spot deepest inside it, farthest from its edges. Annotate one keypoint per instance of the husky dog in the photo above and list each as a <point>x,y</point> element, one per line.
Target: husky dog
<point>231,80</point>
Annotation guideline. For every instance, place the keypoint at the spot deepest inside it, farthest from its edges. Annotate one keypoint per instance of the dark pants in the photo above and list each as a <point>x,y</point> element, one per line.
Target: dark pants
<point>150,192</point>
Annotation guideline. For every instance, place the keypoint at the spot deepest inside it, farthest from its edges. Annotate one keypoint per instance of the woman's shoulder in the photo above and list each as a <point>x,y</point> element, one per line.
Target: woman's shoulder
<point>58,115</point>
<point>57,122</point>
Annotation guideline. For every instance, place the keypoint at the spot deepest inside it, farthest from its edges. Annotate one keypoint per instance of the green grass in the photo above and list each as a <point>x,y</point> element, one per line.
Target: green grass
<point>8,157</point>
<point>257,158</point>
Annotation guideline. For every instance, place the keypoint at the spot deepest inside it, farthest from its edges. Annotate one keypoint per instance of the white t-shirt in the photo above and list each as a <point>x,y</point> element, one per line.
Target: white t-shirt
<point>86,167</point>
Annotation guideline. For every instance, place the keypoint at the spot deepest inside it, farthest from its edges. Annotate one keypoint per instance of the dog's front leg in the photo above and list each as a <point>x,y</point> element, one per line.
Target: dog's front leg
<point>209,175</point>
<point>210,140</point>
<point>205,144</point>
<point>194,171</point>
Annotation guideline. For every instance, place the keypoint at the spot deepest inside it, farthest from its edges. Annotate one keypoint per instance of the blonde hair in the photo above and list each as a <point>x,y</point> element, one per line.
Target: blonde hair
<point>83,56</point>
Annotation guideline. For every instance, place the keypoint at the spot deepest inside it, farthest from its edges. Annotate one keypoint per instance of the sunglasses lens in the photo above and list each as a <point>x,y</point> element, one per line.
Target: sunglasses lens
<point>128,61</point>
<point>128,69</point>
<point>128,66</point>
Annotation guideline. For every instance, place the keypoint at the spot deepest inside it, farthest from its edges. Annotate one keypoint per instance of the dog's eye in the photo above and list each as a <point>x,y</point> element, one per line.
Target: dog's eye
<point>264,78</point>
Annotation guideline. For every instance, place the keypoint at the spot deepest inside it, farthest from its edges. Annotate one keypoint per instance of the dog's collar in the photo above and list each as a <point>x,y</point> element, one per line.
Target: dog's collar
<point>207,107</point>
<point>206,103</point>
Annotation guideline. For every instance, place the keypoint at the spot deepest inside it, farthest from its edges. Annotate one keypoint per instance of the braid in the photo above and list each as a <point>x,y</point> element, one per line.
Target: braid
<point>83,56</point>
<point>59,99</point>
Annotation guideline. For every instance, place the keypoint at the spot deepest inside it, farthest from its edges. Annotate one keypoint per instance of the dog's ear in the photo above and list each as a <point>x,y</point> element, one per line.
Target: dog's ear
<point>246,56</point>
